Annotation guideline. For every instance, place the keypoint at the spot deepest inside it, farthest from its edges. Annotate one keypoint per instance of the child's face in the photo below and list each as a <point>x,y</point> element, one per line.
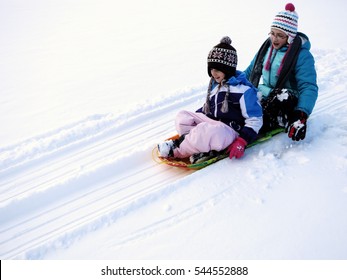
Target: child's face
<point>217,75</point>
<point>278,38</point>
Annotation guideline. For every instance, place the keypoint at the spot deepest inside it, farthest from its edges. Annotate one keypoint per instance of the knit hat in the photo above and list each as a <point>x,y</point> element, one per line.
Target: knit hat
<point>223,57</point>
<point>287,21</point>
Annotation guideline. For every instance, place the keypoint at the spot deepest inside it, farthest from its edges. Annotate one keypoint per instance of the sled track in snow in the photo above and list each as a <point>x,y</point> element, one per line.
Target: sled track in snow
<point>48,197</point>
<point>58,169</point>
<point>84,212</point>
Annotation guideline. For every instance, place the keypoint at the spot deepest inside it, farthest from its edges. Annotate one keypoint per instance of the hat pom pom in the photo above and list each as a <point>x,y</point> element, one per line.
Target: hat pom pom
<point>226,40</point>
<point>290,7</point>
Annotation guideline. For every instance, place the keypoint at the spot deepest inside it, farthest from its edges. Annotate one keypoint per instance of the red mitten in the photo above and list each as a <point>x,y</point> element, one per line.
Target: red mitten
<point>237,148</point>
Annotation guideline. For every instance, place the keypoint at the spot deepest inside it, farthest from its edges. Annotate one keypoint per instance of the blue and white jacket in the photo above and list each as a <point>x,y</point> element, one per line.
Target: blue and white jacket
<point>244,110</point>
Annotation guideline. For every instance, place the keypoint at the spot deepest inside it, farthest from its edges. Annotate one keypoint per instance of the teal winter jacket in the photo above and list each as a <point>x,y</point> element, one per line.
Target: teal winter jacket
<point>302,81</point>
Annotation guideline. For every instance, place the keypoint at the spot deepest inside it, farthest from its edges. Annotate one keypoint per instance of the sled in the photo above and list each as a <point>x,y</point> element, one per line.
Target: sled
<point>185,163</point>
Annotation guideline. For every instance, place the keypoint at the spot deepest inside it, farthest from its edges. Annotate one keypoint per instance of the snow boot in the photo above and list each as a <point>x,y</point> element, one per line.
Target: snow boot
<point>166,148</point>
<point>200,157</point>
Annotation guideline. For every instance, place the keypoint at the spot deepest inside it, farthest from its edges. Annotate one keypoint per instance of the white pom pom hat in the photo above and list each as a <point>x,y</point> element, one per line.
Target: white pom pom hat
<point>287,21</point>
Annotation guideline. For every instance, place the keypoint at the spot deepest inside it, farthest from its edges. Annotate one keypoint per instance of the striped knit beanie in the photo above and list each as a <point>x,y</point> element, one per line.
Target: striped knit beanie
<point>287,21</point>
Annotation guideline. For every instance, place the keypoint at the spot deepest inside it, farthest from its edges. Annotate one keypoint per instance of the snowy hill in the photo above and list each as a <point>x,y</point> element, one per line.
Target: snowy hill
<point>91,189</point>
<point>82,185</point>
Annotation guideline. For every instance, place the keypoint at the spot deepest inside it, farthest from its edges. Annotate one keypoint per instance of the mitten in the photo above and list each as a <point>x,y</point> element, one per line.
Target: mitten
<point>237,148</point>
<point>282,99</point>
<point>297,126</point>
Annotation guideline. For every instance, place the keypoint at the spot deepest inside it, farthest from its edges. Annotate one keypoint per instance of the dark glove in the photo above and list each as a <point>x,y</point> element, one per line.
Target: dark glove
<point>278,95</point>
<point>277,107</point>
<point>284,95</point>
<point>297,126</point>
<point>286,100</point>
<point>237,148</point>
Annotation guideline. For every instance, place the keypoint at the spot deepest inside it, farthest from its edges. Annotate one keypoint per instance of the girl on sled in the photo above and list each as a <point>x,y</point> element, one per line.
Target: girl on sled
<point>230,118</point>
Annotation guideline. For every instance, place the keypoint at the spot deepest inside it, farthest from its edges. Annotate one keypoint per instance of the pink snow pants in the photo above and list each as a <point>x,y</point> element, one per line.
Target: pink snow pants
<point>202,134</point>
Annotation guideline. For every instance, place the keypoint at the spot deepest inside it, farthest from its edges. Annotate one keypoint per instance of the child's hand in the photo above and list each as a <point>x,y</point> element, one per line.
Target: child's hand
<point>237,148</point>
<point>297,126</point>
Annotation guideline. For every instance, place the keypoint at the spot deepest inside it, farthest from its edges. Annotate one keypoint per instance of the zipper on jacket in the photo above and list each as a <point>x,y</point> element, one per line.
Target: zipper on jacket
<point>216,100</point>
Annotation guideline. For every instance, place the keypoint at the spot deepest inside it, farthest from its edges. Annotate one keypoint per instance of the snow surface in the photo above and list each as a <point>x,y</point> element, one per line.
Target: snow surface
<point>87,90</point>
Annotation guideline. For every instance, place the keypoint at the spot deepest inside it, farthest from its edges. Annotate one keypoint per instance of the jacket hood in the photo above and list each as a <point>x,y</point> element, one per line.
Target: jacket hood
<point>305,43</point>
<point>239,78</point>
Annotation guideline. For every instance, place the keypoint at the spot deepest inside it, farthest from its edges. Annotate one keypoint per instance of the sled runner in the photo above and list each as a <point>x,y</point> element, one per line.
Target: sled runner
<point>185,163</point>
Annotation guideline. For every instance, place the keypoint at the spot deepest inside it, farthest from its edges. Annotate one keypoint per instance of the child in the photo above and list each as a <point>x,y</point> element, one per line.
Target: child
<point>230,118</point>
<point>286,69</point>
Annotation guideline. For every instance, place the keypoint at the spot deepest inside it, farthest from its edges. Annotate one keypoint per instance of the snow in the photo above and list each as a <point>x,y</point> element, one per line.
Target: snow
<point>87,90</point>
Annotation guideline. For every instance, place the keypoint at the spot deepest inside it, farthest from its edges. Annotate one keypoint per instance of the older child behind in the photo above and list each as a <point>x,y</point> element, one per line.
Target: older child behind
<point>284,72</point>
<point>230,118</point>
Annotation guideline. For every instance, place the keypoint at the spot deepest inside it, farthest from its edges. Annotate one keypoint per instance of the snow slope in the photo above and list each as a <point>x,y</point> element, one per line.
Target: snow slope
<point>91,189</point>
<point>88,188</point>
